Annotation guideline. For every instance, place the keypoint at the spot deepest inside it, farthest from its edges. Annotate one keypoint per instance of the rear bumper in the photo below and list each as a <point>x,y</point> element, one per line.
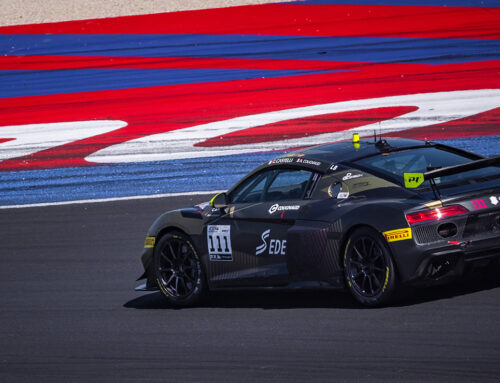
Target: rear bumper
<point>439,265</point>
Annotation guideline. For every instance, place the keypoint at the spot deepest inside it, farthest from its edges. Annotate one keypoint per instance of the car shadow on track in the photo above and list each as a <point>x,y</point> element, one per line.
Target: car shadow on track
<point>470,284</point>
<point>296,299</point>
<point>265,299</point>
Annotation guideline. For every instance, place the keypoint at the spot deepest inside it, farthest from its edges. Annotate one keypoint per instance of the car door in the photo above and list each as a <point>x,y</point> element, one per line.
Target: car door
<point>247,245</point>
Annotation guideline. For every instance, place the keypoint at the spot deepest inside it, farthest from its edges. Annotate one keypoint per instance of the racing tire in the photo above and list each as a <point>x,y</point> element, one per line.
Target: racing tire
<point>178,270</point>
<point>369,270</point>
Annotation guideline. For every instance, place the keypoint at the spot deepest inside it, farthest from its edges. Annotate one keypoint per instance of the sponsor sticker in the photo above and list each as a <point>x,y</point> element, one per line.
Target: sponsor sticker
<point>494,200</point>
<point>334,167</point>
<point>211,212</point>
<point>219,242</point>
<point>397,235</point>
<point>350,176</point>
<point>343,195</point>
<point>277,207</point>
<point>413,180</point>
<point>276,246</point>
<point>149,242</point>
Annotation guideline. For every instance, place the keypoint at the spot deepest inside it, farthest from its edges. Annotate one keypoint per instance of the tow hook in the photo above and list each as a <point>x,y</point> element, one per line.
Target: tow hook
<point>463,245</point>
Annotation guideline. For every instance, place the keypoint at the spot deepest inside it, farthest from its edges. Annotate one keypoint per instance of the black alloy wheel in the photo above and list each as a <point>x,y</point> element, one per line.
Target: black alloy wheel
<point>178,269</point>
<point>368,268</point>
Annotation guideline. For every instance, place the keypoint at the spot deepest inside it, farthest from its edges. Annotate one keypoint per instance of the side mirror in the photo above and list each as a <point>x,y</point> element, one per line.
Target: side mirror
<point>219,201</point>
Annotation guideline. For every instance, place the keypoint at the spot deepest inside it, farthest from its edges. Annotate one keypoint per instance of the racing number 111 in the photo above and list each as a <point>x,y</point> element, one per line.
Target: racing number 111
<point>219,248</point>
<point>479,204</point>
<point>219,242</point>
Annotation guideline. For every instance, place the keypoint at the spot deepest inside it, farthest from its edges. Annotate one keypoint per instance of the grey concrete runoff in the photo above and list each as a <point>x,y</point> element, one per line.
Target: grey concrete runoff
<point>36,11</point>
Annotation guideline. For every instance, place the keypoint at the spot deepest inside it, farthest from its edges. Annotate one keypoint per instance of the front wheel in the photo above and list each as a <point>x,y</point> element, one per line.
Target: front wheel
<point>368,268</point>
<point>178,270</point>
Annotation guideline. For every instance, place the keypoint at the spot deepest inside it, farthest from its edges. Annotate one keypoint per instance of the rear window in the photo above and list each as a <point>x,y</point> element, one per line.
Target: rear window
<point>421,160</point>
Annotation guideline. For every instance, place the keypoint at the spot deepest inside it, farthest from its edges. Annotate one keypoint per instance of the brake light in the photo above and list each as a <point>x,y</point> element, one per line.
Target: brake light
<point>435,214</point>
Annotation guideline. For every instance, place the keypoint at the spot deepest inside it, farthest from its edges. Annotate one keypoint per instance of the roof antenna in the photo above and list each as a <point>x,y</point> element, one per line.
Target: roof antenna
<point>382,144</point>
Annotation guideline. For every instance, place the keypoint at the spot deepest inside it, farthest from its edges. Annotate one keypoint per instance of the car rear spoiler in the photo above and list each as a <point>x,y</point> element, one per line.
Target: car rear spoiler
<point>414,180</point>
<point>473,165</point>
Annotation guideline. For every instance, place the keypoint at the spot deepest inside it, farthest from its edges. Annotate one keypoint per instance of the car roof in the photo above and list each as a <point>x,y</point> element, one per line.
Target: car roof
<point>347,151</point>
<point>323,158</point>
<point>328,157</point>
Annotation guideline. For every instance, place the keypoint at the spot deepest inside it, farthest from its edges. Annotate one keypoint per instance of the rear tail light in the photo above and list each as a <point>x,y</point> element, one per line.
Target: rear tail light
<point>435,214</point>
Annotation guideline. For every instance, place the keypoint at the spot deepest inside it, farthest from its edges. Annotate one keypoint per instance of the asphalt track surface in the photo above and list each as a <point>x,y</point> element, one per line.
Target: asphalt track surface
<point>69,314</point>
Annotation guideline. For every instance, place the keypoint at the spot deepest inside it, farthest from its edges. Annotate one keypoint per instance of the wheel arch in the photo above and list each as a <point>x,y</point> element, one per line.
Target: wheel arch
<point>345,239</point>
<point>169,229</point>
<point>369,215</point>
<point>348,234</point>
<point>161,233</point>
<point>196,282</point>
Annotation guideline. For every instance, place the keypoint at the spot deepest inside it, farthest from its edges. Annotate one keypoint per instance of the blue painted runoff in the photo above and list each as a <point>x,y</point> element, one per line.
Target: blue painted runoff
<point>359,49</point>
<point>149,178</point>
<point>18,83</point>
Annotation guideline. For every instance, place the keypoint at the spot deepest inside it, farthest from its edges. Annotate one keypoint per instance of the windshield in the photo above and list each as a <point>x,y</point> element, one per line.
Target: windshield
<point>421,160</point>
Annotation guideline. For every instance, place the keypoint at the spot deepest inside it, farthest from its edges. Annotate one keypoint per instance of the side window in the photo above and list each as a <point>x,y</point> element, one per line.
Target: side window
<point>288,184</point>
<point>329,186</point>
<point>272,185</point>
<point>252,189</point>
<point>333,185</point>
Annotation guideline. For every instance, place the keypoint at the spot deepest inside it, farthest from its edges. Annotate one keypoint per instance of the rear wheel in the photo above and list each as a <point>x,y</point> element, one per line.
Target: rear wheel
<point>368,268</point>
<point>178,270</point>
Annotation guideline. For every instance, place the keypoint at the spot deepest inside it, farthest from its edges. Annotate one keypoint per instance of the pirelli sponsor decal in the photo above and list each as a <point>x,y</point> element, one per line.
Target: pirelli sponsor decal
<point>149,242</point>
<point>397,235</point>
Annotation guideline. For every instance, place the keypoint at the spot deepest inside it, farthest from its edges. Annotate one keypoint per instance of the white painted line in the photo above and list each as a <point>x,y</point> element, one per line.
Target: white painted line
<point>431,108</point>
<point>110,199</point>
<point>32,138</point>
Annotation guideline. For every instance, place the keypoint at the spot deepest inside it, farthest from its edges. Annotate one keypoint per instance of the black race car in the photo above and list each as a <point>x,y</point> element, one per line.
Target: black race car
<point>366,215</point>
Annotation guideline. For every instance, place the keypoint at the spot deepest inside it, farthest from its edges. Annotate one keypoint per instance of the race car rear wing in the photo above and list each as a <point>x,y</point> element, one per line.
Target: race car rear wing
<point>414,180</point>
<point>473,165</point>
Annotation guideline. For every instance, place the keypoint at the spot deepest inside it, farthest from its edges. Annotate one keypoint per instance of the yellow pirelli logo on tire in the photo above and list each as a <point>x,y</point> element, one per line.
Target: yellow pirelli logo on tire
<point>397,235</point>
<point>149,242</point>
